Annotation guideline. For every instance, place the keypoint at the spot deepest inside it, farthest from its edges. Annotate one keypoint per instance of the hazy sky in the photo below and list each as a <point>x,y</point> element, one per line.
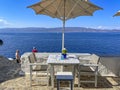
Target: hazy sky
<point>13,13</point>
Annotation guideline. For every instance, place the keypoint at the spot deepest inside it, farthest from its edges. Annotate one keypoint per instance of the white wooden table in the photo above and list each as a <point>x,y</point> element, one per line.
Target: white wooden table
<point>56,60</point>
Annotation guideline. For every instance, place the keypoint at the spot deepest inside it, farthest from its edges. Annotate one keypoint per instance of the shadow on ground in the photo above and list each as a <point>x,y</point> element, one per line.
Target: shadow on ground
<point>102,83</point>
<point>117,80</point>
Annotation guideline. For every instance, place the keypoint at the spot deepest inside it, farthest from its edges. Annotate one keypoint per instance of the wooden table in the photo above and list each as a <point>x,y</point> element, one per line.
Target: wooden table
<point>56,60</point>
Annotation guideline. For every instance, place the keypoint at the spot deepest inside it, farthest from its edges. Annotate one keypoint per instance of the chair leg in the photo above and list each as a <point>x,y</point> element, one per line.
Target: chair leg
<point>58,84</point>
<point>30,75</point>
<point>47,80</point>
<point>95,79</point>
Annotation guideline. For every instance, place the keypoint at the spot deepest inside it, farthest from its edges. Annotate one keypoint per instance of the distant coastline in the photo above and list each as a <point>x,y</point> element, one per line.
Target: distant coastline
<point>57,30</point>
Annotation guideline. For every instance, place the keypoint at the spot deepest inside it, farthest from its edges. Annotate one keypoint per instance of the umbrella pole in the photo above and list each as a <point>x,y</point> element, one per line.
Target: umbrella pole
<point>63,34</point>
<point>63,27</point>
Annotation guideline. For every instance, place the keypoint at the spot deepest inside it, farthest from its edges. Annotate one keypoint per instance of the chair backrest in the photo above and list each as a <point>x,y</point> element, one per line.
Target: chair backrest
<point>32,58</point>
<point>94,59</point>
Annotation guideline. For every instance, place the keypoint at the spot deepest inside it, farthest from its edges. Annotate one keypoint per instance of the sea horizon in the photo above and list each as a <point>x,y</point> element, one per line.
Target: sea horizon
<point>55,29</point>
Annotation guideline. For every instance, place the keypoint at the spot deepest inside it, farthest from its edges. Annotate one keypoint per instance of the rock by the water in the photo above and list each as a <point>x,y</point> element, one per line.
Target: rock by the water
<point>8,69</point>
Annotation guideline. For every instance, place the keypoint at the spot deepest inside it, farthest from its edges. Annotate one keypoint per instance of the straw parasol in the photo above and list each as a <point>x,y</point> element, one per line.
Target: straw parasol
<point>117,14</point>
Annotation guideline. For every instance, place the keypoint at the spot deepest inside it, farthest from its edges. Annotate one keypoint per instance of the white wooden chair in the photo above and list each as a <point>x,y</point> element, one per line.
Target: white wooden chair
<point>41,68</point>
<point>89,66</point>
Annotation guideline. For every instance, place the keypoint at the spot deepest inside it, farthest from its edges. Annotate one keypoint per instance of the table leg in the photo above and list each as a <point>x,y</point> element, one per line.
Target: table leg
<point>52,75</point>
<point>78,75</point>
<point>73,75</point>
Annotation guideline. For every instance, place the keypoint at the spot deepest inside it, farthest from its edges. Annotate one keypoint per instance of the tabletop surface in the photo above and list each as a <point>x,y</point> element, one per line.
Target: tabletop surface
<point>56,59</point>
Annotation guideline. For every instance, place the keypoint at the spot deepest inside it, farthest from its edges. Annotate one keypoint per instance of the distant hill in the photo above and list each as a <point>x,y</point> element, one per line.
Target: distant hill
<point>57,30</point>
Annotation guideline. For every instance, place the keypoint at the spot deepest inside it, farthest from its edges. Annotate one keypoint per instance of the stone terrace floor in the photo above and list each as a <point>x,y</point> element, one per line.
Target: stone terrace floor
<point>23,83</point>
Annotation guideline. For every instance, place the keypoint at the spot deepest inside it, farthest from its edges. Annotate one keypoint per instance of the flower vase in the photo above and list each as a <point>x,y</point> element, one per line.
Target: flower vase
<point>64,56</point>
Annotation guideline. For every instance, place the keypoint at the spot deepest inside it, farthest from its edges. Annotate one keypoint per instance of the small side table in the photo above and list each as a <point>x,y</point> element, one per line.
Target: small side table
<point>64,76</point>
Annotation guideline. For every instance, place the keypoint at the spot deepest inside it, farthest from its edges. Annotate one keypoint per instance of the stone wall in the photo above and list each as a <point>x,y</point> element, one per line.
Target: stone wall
<point>103,69</point>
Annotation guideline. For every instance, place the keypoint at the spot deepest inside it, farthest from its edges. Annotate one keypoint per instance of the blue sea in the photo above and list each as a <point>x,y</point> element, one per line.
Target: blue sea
<point>101,43</point>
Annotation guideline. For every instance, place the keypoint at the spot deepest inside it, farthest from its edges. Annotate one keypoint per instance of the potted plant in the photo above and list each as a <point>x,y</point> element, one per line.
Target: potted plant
<point>64,53</point>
